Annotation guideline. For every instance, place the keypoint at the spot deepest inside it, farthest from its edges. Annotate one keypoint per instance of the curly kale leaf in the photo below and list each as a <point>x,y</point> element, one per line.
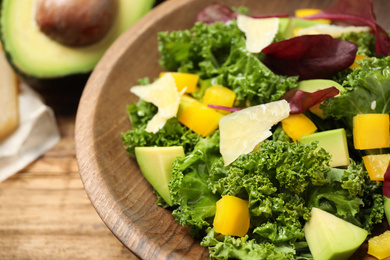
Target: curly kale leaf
<point>367,91</point>
<point>201,50</point>
<point>228,247</point>
<point>364,40</point>
<point>217,52</point>
<point>189,184</point>
<point>172,134</point>
<point>350,195</point>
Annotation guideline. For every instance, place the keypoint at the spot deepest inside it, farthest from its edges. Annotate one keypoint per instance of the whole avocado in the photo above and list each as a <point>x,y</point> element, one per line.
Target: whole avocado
<point>44,53</point>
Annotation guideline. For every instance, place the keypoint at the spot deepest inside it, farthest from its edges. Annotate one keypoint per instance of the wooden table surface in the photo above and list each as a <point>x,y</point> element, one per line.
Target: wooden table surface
<point>44,210</point>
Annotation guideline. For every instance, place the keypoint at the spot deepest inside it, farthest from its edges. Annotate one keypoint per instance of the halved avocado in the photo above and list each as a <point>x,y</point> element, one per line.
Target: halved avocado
<point>35,56</point>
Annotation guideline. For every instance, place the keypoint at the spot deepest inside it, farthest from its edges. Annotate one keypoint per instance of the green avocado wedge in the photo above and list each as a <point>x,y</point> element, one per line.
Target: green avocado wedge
<point>387,208</point>
<point>156,165</point>
<point>332,238</point>
<point>35,56</point>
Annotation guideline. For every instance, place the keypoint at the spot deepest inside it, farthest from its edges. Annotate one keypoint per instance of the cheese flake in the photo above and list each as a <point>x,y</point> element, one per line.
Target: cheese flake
<point>164,95</point>
<point>259,32</point>
<point>242,131</point>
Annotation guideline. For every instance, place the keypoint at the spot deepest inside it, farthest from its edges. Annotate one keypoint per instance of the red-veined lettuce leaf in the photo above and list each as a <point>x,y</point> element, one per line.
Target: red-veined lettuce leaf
<point>358,13</point>
<point>300,101</point>
<point>386,183</point>
<point>220,12</point>
<point>310,56</point>
<point>216,12</point>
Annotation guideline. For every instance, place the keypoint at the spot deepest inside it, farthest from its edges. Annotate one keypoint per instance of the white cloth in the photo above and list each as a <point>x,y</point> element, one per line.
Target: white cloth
<point>37,133</point>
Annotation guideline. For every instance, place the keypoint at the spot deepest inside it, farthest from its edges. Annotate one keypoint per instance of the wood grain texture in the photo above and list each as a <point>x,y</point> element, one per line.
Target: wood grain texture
<point>117,189</point>
<point>46,214</point>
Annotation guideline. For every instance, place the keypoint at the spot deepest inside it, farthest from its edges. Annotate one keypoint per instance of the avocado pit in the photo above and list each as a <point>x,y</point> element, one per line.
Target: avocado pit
<point>75,22</point>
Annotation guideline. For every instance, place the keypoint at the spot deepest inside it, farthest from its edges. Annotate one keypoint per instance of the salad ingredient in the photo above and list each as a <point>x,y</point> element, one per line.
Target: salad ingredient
<point>358,58</point>
<point>387,207</point>
<point>75,23</point>
<point>300,101</point>
<point>331,29</point>
<point>219,96</point>
<point>378,246</point>
<point>357,13</point>
<point>334,142</point>
<point>295,24</point>
<point>184,81</point>
<point>232,216</point>
<point>376,165</point>
<point>330,237</point>
<point>37,58</point>
<point>214,12</point>
<point>172,134</point>
<point>310,11</point>
<point>241,131</point>
<point>318,84</point>
<point>367,90</point>
<point>259,33</point>
<point>156,165</point>
<point>163,94</point>
<point>371,131</point>
<point>224,61</point>
<point>9,116</point>
<point>195,202</point>
<point>200,118</point>
<point>298,125</point>
<point>310,56</point>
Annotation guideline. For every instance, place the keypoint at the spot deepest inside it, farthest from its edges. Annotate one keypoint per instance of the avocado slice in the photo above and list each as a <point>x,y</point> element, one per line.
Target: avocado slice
<point>334,142</point>
<point>36,56</point>
<point>387,208</point>
<point>332,238</point>
<point>295,23</point>
<point>156,165</point>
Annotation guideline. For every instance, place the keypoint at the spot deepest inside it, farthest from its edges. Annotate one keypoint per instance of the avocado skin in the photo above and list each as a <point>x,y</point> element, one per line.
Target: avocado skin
<point>39,83</point>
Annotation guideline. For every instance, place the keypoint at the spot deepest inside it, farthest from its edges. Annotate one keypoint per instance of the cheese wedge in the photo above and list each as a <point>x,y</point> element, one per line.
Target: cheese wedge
<point>9,110</point>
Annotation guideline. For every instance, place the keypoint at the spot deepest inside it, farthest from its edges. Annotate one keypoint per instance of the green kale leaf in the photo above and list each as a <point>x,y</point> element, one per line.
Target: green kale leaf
<point>367,91</point>
<point>189,184</point>
<point>172,134</point>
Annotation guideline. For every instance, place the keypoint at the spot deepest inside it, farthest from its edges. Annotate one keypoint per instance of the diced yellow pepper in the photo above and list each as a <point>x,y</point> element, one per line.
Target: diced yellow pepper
<point>376,165</point>
<point>310,11</point>
<point>358,57</point>
<point>298,125</point>
<point>371,131</point>
<point>184,80</point>
<point>219,95</point>
<point>232,216</point>
<point>199,117</point>
<point>379,246</point>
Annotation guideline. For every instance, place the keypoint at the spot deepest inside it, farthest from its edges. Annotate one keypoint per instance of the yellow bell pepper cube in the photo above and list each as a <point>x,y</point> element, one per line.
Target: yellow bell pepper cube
<point>376,165</point>
<point>358,57</point>
<point>298,125</point>
<point>232,216</point>
<point>219,95</point>
<point>379,246</point>
<point>184,80</point>
<point>310,11</point>
<point>371,131</point>
<point>199,117</point>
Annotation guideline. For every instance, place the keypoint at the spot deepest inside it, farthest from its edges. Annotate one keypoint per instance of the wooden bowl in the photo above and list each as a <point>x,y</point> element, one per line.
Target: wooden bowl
<point>118,191</point>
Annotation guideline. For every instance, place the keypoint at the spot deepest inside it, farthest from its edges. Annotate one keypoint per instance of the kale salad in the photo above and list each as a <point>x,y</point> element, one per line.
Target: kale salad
<point>246,116</point>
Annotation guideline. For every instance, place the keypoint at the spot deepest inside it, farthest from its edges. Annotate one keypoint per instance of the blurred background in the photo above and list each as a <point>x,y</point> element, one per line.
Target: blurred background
<point>44,210</point>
